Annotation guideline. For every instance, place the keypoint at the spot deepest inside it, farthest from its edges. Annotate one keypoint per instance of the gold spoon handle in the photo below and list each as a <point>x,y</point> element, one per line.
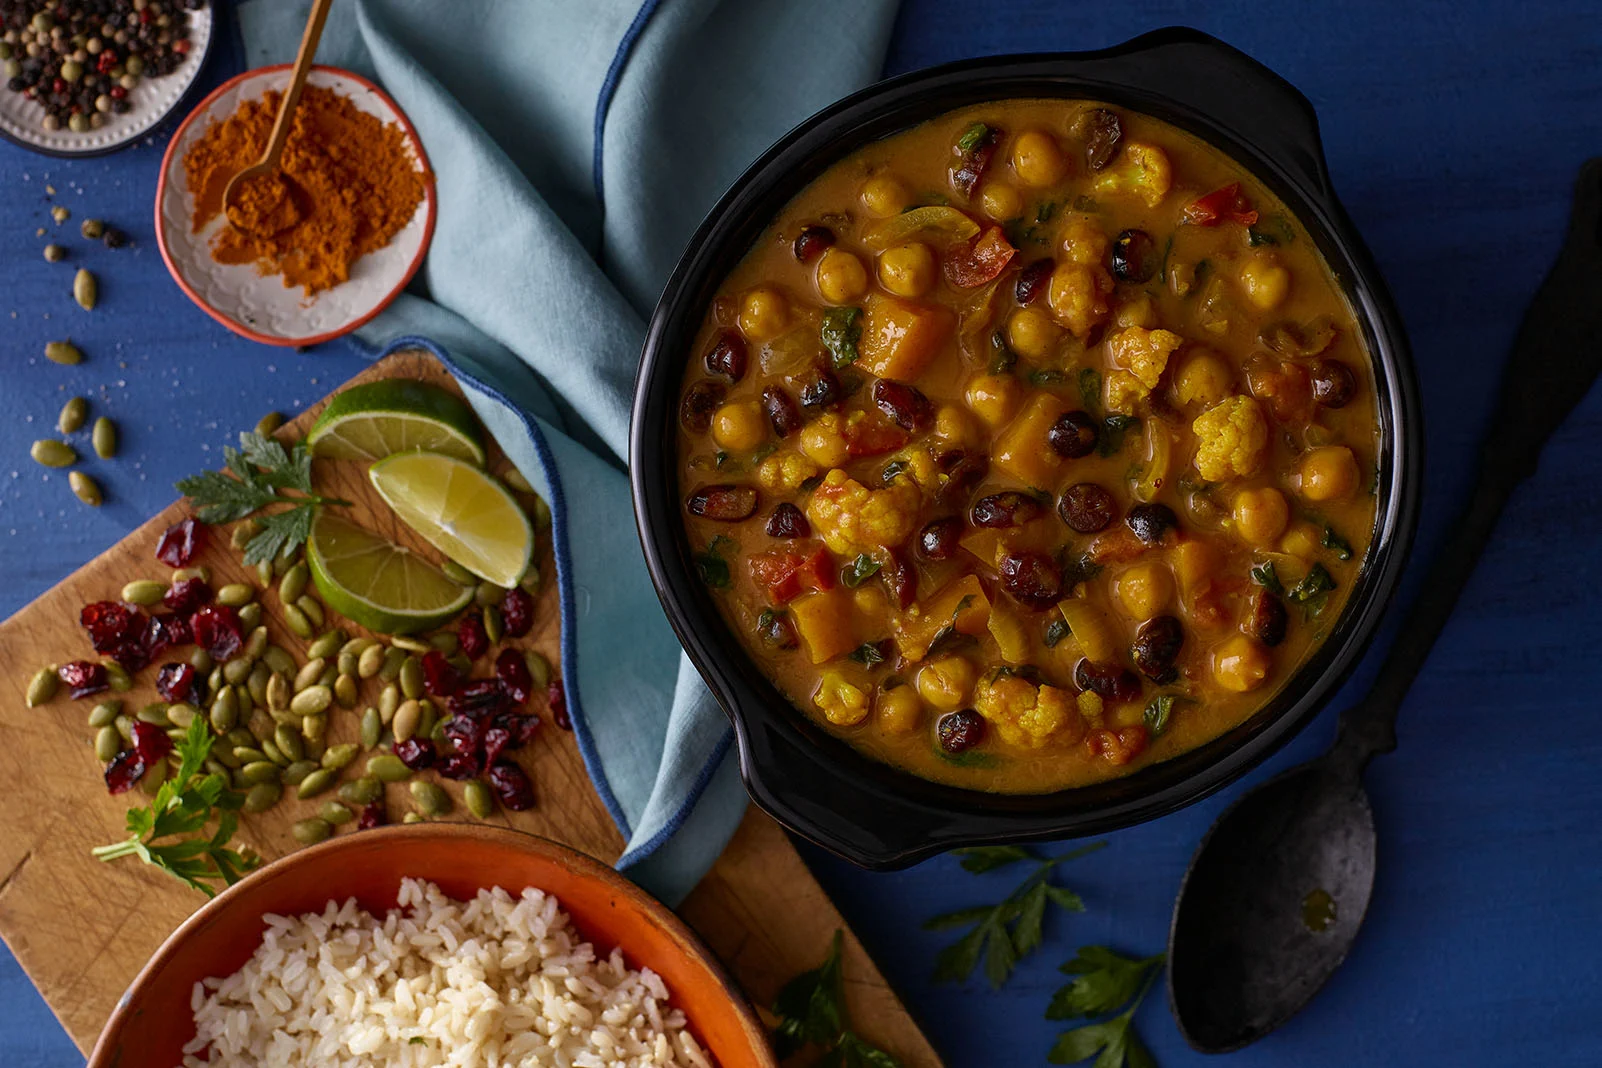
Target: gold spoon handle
<point>297,81</point>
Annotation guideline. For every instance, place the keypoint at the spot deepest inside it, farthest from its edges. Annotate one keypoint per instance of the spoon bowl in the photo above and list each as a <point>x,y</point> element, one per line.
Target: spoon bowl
<point>261,200</point>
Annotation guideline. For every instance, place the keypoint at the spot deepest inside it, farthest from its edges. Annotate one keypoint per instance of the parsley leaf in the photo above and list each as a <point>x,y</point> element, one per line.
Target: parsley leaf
<point>1266,577</point>
<point>811,1011</point>
<point>859,570</point>
<point>1159,710</point>
<point>1312,593</point>
<point>713,568</point>
<point>1336,544</point>
<point>971,137</point>
<point>255,473</point>
<point>867,654</point>
<point>1056,631</point>
<point>1114,427</point>
<point>1090,389</point>
<point>1103,981</point>
<point>840,332</point>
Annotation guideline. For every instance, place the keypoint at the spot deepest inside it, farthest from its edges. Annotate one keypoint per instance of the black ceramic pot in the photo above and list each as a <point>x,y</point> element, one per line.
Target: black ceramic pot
<point>816,784</point>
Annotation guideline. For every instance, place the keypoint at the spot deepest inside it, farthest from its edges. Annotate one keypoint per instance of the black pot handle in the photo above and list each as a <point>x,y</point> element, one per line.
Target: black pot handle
<point>1233,89</point>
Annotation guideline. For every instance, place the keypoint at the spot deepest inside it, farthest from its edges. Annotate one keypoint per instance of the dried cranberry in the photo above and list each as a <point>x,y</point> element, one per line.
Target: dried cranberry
<point>521,728</point>
<point>416,753</point>
<point>900,579</point>
<point>478,698</point>
<point>511,787</point>
<point>176,682</point>
<point>940,538</point>
<point>1032,281</point>
<point>163,632</point>
<point>373,815</point>
<point>823,390</point>
<point>1266,619</point>
<point>151,741</point>
<point>700,401</point>
<point>125,769</point>
<point>458,767</point>
<point>1334,385</point>
<point>1086,507</point>
<point>1157,645</point>
<point>786,521</point>
<point>1006,509</point>
<point>512,671</point>
<point>218,631</point>
<point>1033,579</point>
<point>440,676</point>
<point>960,731</point>
<point>556,697</point>
<point>108,624</point>
<point>1135,257</point>
<point>180,542</point>
<point>781,411</point>
<point>1102,134</point>
<point>963,472</point>
<point>905,405</point>
<point>1150,521</point>
<point>517,612</point>
<point>726,503</point>
<point>84,676</point>
<point>1074,435</point>
<point>496,739</point>
<point>812,242</point>
<point>727,357</point>
<point>130,656</point>
<point>975,160</point>
<point>1109,680</point>
<point>776,630</point>
<point>187,596</point>
<point>465,735</point>
<point>472,637</point>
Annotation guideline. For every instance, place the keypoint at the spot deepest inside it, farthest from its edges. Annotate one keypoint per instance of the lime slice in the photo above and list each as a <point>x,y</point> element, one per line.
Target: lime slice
<point>377,583</point>
<point>461,511</point>
<point>395,415</point>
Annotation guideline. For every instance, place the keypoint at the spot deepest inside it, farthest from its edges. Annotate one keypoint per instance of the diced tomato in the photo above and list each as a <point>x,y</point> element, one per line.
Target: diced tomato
<point>1225,204</point>
<point>1117,747</point>
<point>1116,545</point>
<point>873,436</point>
<point>974,264</point>
<point>788,574</point>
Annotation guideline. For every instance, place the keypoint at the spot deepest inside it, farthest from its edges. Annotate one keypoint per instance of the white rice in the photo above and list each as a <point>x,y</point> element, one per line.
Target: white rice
<point>496,981</point>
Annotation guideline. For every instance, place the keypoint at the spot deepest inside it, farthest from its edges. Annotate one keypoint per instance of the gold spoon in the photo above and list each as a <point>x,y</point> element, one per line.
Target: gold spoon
<point>272,207</point>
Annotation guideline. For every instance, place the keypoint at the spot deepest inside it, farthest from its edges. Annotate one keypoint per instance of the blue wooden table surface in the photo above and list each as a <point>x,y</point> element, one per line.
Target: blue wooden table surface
<point>1453,132</point>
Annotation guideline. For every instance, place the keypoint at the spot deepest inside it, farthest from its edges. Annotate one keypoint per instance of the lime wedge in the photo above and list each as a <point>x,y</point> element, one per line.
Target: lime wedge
<point>376,583</point>
<point>395,415</point>
<point>461,511</point>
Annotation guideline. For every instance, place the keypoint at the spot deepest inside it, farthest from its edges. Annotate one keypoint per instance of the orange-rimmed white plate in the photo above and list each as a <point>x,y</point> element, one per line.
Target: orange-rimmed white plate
<point>260,306</point>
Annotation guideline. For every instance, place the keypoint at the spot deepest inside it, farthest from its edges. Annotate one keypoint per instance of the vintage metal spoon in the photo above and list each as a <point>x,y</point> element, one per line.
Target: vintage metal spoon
<point>1277,890</point>
<point>272,206</point>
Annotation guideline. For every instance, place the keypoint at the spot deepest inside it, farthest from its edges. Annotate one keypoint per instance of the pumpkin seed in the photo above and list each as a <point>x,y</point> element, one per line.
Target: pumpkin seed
<point>514,478</point>
<point>311,831</point>
<point>297,622</point>
<point>389,700</point>
<point>460,662</point>
<point>182,714</point>
<point>459,574</point>
<point>388,767</point>
<point>297,771</point>
<point>539,668</point>
<point>345,691</point>
<point>177,734</point>
<point>236,595</point>
<point>73,415</point>
<point>431,798</point>
<point>199,571</point>
<point>316,783</point>
<point>268,424</point>
<point>411,677</point>
<point>250,615</point>
<point>289,742</point>
<point>224,713</point>
<point>63,352</point>
<point>214,766</point>
<point>270,750</point>
<point>84,289</point>
<point>264,572</point>
<point>326,647</point>
<point>312,607</point>
<point>308,673</point>
<point>339,756</point>
<point>52,453</point>
<point>125,727</point>
<point>256,644</point>
<point>43,686</point>
<point>371,726</point>
<point>330,673</point>
<point>393,659</point>
<point>259,771</point>
<point>437,735</point>
<point>426,718</point>
<point>346,663</point>
<point>480,802</point>
<point>293,584</point>
<point>143,592</point>
<point>361,791</point>
<point>150,782</point>
<point>446,642</point>
<point>154,714</point>
<point>494,626</point>
<point>108,743</point>
<point>278,692</point>
<point>247,753</point>
<point>406,717</point>
<point>214,680</point>
<point>105,713</point>
<point>256,684</point>
<point>238,669</point>
<point>85,487</point>
<point>104,438</point>
<point>201,661</point>
<point>410,644</point>
<point>357,646</point>
<point>487,594</point>
<point>314,728</point>
<point>285,560</point>
<point>262,796</point>
<point>243,531</point>
<point>530,582</point>
<point>335,813</point>
<point>413,817</point>
<point>226,758</point>
<point>278,659</point>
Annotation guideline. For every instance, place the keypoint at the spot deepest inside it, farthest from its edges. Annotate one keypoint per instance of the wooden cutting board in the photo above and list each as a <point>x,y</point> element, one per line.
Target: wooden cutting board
<point>82,929</point>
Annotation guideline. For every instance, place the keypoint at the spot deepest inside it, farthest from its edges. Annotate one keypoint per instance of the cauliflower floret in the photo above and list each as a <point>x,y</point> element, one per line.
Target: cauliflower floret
<point>1124,390</point>
<point>1091,707</point>
<point>1230,438</point>
<point>1143,353</point>
<point>1027,715</point>
<point>918,465</point>
<point>1077,296</point>
<point>841,702</point>
<point>1144,172</point>
<point>1083,242</point>
<point>783,472</point>
<point>851,519</point>
<point>823,440</point>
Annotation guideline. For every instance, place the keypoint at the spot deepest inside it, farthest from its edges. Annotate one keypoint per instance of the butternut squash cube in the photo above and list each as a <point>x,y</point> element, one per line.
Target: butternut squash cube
<point>985,544</point>
<point>1012,639</point>
<point>825,620</point>
<point>961,605</point>
<point>1089,629</point>
<point>1022,450</point>
<point>900,338</point>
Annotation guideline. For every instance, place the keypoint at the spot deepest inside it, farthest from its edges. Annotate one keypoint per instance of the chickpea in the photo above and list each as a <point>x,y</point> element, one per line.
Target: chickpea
<point>947,682</point>
<point>953,424</point>
<point>764,313</point>
<point>1261,515</point>
<point>1301,540</point>
<point>1240,664</point>
<point>1204,379</point>
<point>1329,473</point>
<point>823,445</point>
<point>1144,589</point>
<point>884,196</point>
<point>1000,201</point>
<point>1137,311</point>
<point>908,270</point>
<point>994,398</point>
<point>1265,281</point>
<point>739,426</point>
<point>1036,159</point>
<point>899,710</point>
<point>871,601</point>
<point>1032,334</point>
<point>841,277</point>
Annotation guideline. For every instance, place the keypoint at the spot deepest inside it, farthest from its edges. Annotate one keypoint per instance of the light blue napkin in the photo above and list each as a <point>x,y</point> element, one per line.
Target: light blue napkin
<point>577,144</point>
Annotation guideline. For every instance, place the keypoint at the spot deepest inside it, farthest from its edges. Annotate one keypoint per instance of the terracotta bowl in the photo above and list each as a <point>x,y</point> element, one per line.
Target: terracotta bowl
<point>153,1020</point>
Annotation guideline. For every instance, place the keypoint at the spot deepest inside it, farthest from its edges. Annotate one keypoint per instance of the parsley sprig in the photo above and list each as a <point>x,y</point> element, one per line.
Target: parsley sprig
<point>1004,933</point>
<point>182,806</point>
<point>1104,982</point>
<point>811,1010</point>
<point>256,474</point>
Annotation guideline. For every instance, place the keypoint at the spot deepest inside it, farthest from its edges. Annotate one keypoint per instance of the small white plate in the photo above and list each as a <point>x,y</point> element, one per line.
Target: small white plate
<point>259,306</point>
<point>153,100</point>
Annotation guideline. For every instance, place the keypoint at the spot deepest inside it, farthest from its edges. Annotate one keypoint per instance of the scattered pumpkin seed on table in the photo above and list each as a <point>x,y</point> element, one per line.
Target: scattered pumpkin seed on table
<point>480,802</point>
<point>108,743</point>
<point>73,415</point>
<point>293,584</point>
<point>431,798</point>
<point>250,615</point>
<point>262,796</point>
<point>297,622</point>
<point>85,290</point>
<point>104,438</point>
<point>339,756</point>
<point>243,531</point>
<point>146,592</point>
<point>326,645</point>
<point>388,767</point>
<point>335,813</point>
<point>316,783</point>
<point>105,713</point>
<point>236,595</point>
<point>117,676</point>
<point>459,574</point>
<point>311,831</point>
<point>296,773</point>
<point>411,677</point>
<point>269,423</point>
<point>414,817</point>
<point>313,609</point>
<point>410,644</point>
<point>362,791</point>
<point>406,718</point>
<point>86,488</point>
<point>371,727</point>
<point>52,453</point>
